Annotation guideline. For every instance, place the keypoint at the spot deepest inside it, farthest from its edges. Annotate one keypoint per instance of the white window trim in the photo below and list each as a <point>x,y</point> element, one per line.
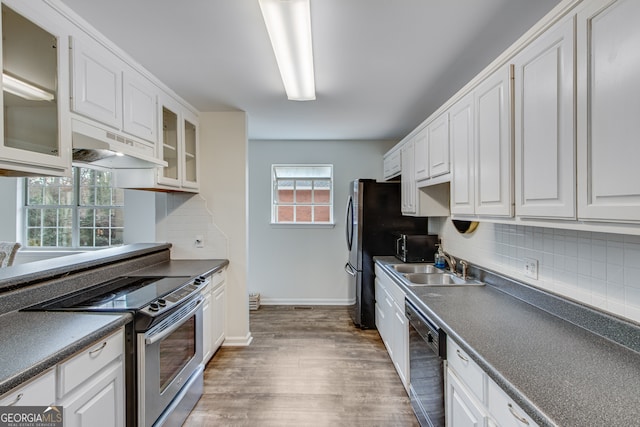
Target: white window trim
<point>305,225</point>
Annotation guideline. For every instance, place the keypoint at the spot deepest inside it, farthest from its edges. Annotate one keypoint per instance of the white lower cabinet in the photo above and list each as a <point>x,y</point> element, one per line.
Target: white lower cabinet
<point>91,386</point>
<point>504,411</point>
<point>474,399</point>
<point>99,402</point>
<point>392,323</point>
<point>214,314</point>
<point>38,391</point>
<point>461,408</point>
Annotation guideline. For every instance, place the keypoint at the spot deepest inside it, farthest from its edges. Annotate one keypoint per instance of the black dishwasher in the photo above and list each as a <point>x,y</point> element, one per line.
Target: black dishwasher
<point>427,351</point>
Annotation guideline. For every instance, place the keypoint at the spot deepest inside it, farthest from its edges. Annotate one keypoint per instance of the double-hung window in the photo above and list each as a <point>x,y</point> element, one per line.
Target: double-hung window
<point>81,211</point>
<point>302,194</point>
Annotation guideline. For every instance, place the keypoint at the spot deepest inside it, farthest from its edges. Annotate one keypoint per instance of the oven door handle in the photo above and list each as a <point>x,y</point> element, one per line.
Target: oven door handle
<point>166,332</point>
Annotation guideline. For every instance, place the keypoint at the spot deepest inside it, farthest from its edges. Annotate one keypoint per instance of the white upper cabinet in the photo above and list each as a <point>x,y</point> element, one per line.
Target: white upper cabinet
<point>408,179</point>
<point>36,136</point>
<point>438,156</point>
<point>169,142</point>
<point>608,120</point>
<point>139,106</point>
<point>179,145</point>
<point>432,152</point>
<point>110,92</point>
<point>190,158</point>
<point>97,82</point>
<point>462,158</point>
<point>391,164</point>
<point>493,145</point>
<point>421,154</point>
<point>545,173</point>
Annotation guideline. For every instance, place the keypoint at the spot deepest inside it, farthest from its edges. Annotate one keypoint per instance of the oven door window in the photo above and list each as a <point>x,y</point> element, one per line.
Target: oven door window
<point>176,350</point>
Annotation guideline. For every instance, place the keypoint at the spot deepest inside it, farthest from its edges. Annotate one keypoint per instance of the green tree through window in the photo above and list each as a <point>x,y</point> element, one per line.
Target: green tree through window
<point>83,210</point>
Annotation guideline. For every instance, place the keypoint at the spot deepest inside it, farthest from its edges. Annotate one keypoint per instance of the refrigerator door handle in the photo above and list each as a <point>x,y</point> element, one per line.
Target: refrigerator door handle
<point>349,269</point>
<point>349,221</point>
<point>398,245</point>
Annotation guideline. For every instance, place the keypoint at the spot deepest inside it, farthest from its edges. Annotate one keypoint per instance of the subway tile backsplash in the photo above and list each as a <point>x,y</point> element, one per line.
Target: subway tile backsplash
<point>599,269</point>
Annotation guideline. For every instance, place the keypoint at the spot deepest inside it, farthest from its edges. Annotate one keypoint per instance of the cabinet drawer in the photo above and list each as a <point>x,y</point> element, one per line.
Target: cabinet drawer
<point>86,363</point>
<point>504,410</point>
<point>466,369</point>
<point>40,391</point>
<point>217,279</point>
<point>395,292</point>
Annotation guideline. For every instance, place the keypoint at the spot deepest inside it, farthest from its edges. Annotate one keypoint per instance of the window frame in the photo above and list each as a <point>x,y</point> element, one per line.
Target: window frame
<point>312,204</point>
<point>75,206</point>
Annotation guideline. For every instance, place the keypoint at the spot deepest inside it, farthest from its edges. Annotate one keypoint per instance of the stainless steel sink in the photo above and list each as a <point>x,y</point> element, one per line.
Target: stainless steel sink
<point>416,268</point>
<point>438,279</point>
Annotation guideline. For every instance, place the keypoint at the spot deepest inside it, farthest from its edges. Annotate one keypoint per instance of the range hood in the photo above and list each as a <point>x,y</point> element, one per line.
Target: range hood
<point>102,147</point>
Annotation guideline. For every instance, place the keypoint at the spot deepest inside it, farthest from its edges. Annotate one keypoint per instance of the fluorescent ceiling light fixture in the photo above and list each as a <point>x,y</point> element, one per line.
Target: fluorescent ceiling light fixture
<point>24,89</point>
<point>289,26</point>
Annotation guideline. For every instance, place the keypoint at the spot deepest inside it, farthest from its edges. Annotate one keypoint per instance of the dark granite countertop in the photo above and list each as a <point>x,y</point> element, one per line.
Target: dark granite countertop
<point>32,272</point>
<point>31,342</point>
<point>35,341</point>
<point>559,373</point>
<point>183,267</point>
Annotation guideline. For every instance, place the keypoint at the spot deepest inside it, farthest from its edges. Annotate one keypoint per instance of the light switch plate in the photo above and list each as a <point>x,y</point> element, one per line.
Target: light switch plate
<point>531,268</point>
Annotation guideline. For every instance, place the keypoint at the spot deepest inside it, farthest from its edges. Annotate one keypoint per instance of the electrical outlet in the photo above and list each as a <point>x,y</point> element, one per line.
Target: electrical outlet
<point>531,268</point>
<point>199,242</point>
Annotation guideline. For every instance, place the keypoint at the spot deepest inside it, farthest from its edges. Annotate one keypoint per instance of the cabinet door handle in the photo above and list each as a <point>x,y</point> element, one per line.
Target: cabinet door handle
<point>92,352</point>
<point>516,415</point>
<point>16,400</point>
<point>461,356</point>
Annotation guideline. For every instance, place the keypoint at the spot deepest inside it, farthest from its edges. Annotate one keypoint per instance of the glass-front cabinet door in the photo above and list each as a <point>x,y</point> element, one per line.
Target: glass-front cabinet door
<point>190,178</point>
<point>179,146</point>
<point>170,173</point>
<point>34,74</point>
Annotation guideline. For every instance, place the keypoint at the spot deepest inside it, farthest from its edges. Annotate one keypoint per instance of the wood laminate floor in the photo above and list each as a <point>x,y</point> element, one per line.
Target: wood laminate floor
<point>306,366</point>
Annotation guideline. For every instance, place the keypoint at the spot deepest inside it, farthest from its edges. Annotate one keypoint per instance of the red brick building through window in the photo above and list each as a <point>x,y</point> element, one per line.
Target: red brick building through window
<point>302,194</point>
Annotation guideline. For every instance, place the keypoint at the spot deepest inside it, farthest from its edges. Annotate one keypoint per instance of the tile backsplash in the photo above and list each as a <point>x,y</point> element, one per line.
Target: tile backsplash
<point>598,269</point>
<point>183,217</point>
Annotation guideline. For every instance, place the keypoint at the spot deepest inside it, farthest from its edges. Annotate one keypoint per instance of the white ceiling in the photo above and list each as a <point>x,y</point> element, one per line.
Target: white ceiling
<point>381,66</point>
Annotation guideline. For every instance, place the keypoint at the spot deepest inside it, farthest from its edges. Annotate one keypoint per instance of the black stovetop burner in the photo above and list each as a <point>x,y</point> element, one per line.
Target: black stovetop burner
<point>128,293</point>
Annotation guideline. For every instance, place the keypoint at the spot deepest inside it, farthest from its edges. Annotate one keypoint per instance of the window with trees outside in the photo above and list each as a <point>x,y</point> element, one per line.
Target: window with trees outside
<point>81,211</point>
<point>302,194</point>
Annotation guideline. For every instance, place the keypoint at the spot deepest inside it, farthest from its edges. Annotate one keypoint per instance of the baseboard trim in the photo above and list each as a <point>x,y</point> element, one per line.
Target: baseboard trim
<point>238,341</point>
<point>305,301</point>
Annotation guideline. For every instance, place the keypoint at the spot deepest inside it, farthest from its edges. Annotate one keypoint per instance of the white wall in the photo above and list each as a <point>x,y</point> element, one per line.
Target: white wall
<point>599,269</point>
<point>304,265</point>
<point>223,185</point>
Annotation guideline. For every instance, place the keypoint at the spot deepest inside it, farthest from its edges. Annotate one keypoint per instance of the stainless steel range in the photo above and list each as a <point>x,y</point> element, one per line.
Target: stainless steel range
<point>164,345</point>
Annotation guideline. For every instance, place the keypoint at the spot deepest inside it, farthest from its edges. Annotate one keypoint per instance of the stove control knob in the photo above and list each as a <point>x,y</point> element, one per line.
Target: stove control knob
<point>154,306</point>
<point>162,302</point>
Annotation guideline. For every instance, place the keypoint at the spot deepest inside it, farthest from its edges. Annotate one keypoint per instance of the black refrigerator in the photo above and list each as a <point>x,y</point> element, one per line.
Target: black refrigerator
<point>373,215</point>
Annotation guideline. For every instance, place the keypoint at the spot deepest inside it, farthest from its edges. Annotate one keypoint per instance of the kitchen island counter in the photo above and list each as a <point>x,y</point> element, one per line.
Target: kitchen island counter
<point>34,341</point>
<point>559,373</point>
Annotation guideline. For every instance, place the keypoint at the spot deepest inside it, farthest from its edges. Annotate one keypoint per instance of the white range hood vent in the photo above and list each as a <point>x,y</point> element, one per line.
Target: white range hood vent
<point>97,146</point>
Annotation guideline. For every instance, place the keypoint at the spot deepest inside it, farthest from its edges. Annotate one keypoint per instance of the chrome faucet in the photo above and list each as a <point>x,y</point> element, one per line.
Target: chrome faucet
<point>465,265</point>
<point>451,262</point>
